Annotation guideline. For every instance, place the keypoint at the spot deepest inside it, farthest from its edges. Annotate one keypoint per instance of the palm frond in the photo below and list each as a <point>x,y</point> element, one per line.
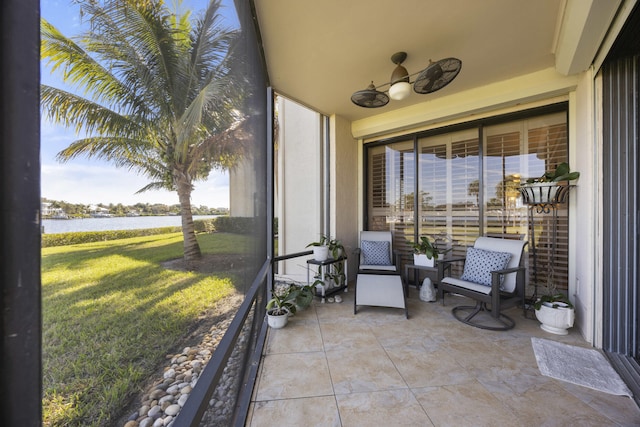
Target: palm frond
<point>122,152</point>
<point>81,70</point>
<point>135,38</point>
<point>154,186</point>
<point>191,121</point>
<point>72,110</point>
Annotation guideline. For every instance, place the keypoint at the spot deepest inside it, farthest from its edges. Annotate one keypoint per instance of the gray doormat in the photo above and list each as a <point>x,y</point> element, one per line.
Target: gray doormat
<point>577,365</point>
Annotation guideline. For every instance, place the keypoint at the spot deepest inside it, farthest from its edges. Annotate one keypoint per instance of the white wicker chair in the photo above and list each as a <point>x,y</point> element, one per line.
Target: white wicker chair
<point>379,282</point>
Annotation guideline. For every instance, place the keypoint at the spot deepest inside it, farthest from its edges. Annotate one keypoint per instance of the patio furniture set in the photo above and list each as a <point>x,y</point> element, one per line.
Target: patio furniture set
<point>493,276</point>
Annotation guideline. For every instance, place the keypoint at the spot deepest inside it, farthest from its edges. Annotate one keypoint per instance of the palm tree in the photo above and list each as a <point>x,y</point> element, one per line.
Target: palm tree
<point>159,98</point>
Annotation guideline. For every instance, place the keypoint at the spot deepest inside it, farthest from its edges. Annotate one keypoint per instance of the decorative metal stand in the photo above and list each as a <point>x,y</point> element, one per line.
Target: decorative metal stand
<point>542,198</point>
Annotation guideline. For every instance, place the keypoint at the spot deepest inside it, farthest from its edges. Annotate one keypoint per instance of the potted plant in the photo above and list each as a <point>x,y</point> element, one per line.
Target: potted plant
<point>282,303</point>
<point>304,295</point>
<point>544,188</point>
<point>336,249</point>
<point>336,270</point>
<point>334,276</point>
<point>554,311</point>
<point>425,253</point>
<point>320,248</point>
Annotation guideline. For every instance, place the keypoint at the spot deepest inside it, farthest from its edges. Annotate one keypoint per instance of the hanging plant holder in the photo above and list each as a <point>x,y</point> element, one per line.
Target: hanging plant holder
<point>542,194</point>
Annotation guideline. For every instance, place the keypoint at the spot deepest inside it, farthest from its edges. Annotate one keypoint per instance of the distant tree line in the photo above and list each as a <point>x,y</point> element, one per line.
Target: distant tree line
<point>142,209</point>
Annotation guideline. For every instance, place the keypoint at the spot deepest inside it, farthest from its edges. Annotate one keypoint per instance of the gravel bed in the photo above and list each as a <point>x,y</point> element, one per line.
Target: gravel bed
<point>163,400</point>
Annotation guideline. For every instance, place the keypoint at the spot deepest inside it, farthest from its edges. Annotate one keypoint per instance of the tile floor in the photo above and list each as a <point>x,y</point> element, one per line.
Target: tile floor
<point>328,367</point>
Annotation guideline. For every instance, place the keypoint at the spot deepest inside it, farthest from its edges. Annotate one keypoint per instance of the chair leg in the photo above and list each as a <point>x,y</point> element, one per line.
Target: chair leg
<point>406,294</point>
<point>460,313</point>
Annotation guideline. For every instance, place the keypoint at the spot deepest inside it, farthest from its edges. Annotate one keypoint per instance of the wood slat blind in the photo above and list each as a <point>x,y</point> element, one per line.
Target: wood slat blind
<point>458,200</point>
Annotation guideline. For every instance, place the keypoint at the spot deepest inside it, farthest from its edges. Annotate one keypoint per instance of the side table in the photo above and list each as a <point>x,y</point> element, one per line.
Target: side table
<point>322,272</point>
<point>416,273</point>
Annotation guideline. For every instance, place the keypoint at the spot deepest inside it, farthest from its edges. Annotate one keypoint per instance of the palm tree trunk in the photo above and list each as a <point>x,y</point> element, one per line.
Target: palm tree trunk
<point>190,243</point>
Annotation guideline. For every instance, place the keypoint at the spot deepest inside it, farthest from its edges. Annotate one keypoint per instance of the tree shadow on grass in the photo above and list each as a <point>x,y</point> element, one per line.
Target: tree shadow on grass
<point>118,326</point>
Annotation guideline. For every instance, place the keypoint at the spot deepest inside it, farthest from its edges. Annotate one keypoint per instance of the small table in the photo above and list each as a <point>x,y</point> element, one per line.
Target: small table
<point>327,262</point>
<point>416,273</point>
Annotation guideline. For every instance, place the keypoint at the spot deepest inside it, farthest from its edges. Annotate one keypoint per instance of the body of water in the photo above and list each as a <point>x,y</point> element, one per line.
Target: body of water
<point>52,226</point>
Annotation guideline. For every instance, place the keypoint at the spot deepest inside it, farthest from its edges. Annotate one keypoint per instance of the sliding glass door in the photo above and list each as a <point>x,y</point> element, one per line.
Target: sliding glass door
<point>465,183</point>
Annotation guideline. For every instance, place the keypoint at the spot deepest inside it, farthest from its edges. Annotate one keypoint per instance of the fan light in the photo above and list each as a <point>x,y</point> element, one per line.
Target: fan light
<point>400,87</point>
<point>399,91</point>
<point>436,76</point>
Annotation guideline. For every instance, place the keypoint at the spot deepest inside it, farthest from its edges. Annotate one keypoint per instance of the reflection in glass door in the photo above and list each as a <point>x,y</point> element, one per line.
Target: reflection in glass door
<point>391,189</point>
<point>513,152</point>
<point>448,189</point>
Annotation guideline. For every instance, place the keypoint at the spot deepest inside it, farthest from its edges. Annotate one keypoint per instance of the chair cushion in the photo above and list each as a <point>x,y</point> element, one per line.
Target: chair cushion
<point>375,252</point>
<point>480,263</point>
<point>364,267</point>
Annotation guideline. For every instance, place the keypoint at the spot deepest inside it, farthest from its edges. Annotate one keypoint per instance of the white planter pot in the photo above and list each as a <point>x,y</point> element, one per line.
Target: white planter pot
<point>277,321</point>
<point>541,192</point>
<point>320,253</point>
<point>421,259</point>
<point>555,320</point>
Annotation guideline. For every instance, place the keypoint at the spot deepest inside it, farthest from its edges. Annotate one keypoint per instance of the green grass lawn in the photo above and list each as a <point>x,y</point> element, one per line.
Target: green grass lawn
<point>111,313</point>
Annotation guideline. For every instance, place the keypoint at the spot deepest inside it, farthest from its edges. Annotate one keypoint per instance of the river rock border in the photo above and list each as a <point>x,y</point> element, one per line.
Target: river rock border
<point>162,402</point>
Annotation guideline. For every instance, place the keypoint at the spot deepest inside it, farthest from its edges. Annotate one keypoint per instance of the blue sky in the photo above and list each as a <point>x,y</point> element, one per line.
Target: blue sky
<point>93,181</point>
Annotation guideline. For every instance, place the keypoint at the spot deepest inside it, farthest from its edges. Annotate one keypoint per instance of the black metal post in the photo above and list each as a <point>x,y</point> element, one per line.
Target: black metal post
<point>20,402</point>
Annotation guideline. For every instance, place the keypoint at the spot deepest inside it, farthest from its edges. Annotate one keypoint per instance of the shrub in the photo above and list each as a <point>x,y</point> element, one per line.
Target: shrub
<point>235,224</point>
<point>238,225</point>
<point>64,239</point>
<point>205,225</point>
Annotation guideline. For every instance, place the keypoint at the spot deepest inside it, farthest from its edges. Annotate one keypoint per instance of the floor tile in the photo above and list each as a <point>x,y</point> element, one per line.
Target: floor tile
<point>424,369</point>
<point>294,375</point>
<point>355,334</point>
<point>300,335</point>
<point>619,409</point>
<point>368,369</point>
<point>383,408</point>
<point>551,405</point>
<point>467,404</point>
<point>312,411</point>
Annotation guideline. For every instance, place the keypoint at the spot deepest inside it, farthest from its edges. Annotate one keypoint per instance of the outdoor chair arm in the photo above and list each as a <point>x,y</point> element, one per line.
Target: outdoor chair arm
<point>396,258</point>
<point>451,260</point>
<point>508,270</point>
<point>444,266</point>
<point>357,252</point>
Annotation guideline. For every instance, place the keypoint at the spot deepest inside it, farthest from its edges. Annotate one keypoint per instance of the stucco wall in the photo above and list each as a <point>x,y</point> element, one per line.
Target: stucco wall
<point>344,187</point>
<point>583,229</point>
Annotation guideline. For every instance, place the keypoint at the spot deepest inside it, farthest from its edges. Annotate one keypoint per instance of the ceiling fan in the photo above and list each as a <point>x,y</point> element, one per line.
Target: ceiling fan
<point>436,76</point>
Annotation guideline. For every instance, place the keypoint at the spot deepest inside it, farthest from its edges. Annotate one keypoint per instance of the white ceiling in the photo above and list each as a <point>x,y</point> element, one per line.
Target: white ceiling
<point>320,52</point>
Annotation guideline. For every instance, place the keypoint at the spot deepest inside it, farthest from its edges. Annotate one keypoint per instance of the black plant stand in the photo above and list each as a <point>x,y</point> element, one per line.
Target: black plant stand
<point>322,273</point>
<point>542,199</point>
